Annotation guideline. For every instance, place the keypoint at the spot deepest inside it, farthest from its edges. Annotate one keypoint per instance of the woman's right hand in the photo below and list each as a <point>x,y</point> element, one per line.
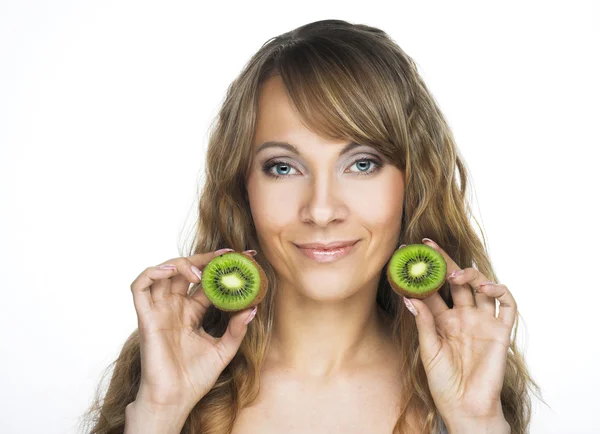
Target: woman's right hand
<point>180,361</point>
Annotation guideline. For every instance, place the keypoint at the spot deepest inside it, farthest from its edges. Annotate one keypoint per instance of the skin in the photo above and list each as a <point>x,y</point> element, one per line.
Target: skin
<point>329,337</point>
<point>332,366</point>
<point>322,197</point>
<point>464,349</point>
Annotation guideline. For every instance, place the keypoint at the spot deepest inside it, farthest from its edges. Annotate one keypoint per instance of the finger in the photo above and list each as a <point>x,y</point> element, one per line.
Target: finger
<point>474,278</point>
<point>485,303</point>
<point>436,304</point>
<point>236,330</point>
<point>202,302</point>
<point>201,259</point>
<point>188,273</point>
<point>461,294</point>
<point>507,311</point>
<point>161,288</point>
<point>182,274</point>
<point>429,341</point>
<point>250,253</point>
<point>141,287</point>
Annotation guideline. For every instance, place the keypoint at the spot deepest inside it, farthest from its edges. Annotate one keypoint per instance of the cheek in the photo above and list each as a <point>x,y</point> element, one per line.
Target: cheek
<point>378,204</point>
<point>273,206</point>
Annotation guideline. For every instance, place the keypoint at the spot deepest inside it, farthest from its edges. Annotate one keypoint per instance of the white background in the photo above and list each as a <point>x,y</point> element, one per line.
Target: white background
<point>104,110</point>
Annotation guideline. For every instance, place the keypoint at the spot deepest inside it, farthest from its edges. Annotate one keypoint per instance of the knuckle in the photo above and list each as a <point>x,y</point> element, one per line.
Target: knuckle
<point>200,259</point>
<point>174,261</point>
<point>186,261</point>
<point>182,263</point>
<point>186,265</point>
<point>136,284</point>
<point>504,290</point>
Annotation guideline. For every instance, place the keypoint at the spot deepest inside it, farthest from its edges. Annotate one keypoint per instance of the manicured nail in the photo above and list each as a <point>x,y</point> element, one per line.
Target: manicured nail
<point>425,240</point>
<point>220,252</point>
<point>251,315</point>
<point>251,252</point>
<point>168,267</point>
<point>400,246</point>
<point>197,272</point>
<point>456,273</point>
<point>410,306</point>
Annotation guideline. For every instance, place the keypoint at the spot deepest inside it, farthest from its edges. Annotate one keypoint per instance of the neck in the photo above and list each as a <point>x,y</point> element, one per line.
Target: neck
<point>317,339</point>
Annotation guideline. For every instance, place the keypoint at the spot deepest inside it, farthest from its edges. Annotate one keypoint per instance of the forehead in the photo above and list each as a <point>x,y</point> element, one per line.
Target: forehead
<point>277,118</point>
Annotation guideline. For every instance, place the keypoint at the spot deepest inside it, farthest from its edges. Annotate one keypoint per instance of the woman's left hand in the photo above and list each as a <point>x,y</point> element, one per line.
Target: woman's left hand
<point>464,349</point>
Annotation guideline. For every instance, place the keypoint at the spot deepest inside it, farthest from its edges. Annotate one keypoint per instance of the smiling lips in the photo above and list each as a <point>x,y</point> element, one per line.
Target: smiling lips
<point>327,252</point>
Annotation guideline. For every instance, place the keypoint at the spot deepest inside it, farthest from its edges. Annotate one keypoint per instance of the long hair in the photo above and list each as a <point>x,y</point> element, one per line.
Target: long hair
<point>352,82</point>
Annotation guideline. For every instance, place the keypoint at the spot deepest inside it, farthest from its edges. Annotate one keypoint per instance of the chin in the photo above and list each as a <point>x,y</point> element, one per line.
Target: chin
<point>322,286</point>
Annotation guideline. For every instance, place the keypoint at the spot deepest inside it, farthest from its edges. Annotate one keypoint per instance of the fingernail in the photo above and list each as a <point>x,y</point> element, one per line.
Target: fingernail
<point>168,267</point>
<point>197,272</point>
<point>401,245</point>
<point>220,252</point>
<point>410,306</point>
<point>251,315</point>
<point>456,273</point>
<point>425,240</point>
<point>251,252</point>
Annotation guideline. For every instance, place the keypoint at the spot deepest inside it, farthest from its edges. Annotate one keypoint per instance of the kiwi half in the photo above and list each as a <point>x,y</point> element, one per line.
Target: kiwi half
<point>416,271</point>
<point>234,281</point>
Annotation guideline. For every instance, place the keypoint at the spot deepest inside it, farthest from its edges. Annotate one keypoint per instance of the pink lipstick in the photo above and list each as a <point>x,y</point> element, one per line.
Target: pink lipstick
<point>327,253</point>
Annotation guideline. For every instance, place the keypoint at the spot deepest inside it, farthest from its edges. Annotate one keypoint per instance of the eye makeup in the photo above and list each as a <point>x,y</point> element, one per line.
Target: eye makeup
<point>267,167</point>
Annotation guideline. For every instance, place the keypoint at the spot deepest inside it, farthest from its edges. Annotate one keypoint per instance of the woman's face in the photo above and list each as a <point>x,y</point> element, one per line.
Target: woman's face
<point>320,196</point>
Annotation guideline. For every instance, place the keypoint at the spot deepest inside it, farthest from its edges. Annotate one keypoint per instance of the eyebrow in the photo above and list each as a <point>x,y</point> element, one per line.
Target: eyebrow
<point>275,144</point>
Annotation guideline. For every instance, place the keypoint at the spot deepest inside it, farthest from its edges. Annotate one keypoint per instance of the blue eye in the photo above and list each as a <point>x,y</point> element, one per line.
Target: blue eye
<point>363,165</point>
<point>282,169</point>
<point>286,169</point>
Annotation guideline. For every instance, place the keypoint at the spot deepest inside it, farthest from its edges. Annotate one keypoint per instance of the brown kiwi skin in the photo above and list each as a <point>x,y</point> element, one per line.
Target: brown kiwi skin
<point>264,285</point>
<point>401,291</point>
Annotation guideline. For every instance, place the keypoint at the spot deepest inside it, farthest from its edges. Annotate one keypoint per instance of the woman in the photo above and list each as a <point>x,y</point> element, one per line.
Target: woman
<point>328,135</point>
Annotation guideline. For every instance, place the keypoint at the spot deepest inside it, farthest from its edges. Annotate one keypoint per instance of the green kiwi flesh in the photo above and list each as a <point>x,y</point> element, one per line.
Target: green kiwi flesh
<point>234,281</point>
<point>416,271</point>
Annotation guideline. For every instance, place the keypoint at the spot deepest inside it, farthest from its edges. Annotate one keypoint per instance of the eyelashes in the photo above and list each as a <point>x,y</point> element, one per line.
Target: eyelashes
<point>376,164</point>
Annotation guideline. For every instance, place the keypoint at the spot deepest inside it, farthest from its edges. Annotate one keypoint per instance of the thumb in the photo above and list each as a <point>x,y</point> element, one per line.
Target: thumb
<point>236,330</point>
<point>428,338</point>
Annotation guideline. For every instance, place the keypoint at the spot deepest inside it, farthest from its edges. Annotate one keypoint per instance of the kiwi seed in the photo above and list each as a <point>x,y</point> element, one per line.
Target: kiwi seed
<point>416,271</point>
<point>234,281</point>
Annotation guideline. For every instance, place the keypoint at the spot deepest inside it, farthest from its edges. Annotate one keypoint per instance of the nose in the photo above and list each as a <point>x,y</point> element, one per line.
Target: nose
<point>324,203</point>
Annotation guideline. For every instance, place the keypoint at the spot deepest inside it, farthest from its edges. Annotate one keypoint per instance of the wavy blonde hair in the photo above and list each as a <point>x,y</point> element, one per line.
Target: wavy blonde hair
<point>348,81</point>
